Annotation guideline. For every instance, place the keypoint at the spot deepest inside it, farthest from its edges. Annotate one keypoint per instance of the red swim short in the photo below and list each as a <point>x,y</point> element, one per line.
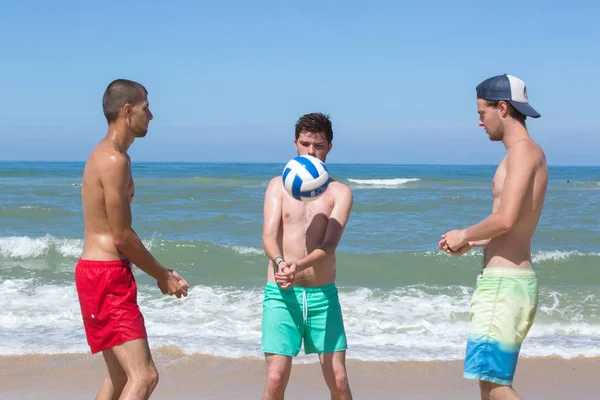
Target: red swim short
<point>108,299</point>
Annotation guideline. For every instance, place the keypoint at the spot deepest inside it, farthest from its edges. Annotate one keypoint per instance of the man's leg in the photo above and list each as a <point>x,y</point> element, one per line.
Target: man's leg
<point>502,311</point>
<point>493,391</point>
<point>115,380</point>
<point>334,372</point>
<point>133,358</point>
<point>278,375</point>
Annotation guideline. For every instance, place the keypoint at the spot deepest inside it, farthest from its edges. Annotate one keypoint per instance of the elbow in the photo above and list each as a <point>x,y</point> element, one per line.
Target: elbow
<point>122,240</point>
<point>507,223</point>
<point>328,248</point>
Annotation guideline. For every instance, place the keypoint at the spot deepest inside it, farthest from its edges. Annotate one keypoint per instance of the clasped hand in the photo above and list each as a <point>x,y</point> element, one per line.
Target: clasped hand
<point>454,243</point>
<point>286,274</point>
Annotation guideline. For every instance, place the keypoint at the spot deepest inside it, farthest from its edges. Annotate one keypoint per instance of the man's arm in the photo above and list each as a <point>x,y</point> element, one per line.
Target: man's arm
<point>115,177</point>
<point>522,161</point>
<point>335,228</point>
<point>272,221</point>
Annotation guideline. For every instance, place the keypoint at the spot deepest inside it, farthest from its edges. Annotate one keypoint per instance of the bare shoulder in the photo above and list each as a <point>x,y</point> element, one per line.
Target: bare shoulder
<point>109,163</point>
<point>115,163</point>
<point>108,156</point>
<point>275,183</point>
<point>339,190</point>
<point>274,186</point>
<point>527,152</point>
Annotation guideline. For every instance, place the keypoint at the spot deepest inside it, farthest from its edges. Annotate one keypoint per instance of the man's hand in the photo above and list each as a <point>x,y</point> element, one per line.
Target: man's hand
<point>285,276</point>
<point>173,284</point>
<point>444,247</point>
<point>280,275</point>
<point>280,266</point>
<point>182,281</point>
<point>455,240</point>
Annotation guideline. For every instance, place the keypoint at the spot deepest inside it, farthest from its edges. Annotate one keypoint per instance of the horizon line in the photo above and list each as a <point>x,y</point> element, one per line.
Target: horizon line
<point>278,162</point>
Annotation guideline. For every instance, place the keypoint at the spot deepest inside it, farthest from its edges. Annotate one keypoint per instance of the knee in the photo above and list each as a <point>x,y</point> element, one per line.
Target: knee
<point>148,378</point>
<point>152,377</point>
<point>275,381</point>
<point>341,382</point>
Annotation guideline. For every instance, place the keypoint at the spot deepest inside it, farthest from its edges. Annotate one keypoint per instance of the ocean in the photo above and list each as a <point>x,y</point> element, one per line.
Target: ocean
<point>402,299</point>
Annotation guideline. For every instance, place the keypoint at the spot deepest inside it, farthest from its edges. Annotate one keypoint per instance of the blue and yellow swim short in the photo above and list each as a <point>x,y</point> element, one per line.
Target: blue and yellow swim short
<point>503,308</point>
<point>309,314</point>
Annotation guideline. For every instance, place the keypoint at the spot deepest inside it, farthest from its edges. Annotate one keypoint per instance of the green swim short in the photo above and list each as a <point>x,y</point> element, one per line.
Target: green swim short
<point>503,308</point>
<point>310,313</point>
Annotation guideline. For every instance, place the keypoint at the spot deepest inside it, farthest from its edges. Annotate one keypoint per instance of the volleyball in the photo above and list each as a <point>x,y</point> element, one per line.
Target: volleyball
<point>305,178</point>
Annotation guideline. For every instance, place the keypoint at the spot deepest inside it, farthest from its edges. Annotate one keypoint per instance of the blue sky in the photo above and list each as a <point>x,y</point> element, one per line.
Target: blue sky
<point>228,79</point>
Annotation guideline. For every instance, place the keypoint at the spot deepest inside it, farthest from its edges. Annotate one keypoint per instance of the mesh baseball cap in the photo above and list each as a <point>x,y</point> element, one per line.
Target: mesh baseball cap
<point>508,88</point>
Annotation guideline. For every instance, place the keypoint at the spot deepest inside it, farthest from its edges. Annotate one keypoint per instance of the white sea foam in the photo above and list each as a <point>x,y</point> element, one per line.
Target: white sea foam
<point>536,257</point>
<point>26,247</point>
<point>36,207</point>
<point>247,250</point>
<point>39,318</point>
<point>476,252</point>
<point>409,323</point>
<point>22,247</point>
<point>383,183</point>
<point>558,255</point>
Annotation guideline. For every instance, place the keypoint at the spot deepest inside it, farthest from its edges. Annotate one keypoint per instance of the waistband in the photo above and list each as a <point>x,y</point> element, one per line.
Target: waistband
<point>509,272</point>
<point>103,264</point>
<point>311,289</point>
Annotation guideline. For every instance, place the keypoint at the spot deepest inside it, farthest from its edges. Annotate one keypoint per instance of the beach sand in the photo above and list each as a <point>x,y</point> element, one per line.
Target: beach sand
<point>193,377</point>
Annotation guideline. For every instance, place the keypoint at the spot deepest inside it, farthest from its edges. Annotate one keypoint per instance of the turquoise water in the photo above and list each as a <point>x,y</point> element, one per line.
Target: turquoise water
<point>402,299</point>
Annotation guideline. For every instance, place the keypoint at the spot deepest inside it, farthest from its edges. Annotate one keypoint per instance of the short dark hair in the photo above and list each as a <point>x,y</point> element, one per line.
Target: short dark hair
<point>315,123</point>
<point>511,110</point>
<point>119,93</point>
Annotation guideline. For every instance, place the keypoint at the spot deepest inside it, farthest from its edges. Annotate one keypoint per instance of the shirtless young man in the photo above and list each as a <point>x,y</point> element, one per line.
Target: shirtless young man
<point>505,301</point>
<point>105,284</point>
<point>301,299</point>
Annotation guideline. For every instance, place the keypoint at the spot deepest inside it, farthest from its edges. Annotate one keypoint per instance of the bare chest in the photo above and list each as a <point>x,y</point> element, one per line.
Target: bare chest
<point>131,191</point>
<point>498,183</point>
<point>299,213</point>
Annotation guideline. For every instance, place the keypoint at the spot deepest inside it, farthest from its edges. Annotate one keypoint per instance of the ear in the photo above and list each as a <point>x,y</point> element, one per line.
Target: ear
<point>126,110</point>
<point>503,109</point>
<point>329,147</point>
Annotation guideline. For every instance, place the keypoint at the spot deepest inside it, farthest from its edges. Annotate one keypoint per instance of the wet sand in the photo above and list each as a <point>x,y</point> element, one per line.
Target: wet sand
<point>192,377</point>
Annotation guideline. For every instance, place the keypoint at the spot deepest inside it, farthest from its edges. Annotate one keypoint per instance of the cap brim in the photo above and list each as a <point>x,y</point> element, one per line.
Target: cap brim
<point>525,109</point>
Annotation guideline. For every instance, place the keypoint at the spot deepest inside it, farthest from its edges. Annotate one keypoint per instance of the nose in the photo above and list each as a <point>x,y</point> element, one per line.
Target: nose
<point>312,151</point>
<point>480,123</point>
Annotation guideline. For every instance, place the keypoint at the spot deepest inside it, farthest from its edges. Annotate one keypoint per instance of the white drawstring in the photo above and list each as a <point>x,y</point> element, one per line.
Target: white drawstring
<point>304,306</point>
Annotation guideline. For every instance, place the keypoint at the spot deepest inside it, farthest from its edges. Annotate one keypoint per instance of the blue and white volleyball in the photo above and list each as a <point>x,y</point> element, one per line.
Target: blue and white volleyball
<point>305,178</point>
